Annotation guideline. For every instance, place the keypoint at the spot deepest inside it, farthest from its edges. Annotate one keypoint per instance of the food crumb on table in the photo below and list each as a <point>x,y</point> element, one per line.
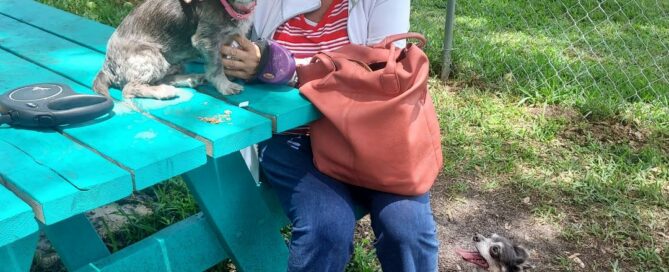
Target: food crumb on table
<point>217,119</point>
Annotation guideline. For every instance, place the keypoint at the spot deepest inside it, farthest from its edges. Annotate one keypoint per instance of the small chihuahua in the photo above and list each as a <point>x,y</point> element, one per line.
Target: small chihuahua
<point>497,254</point>
<point>146,53</point>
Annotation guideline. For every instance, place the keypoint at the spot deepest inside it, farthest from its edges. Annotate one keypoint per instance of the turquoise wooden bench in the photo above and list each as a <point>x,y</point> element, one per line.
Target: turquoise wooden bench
<point>18,233</point>
<point>65,172</point>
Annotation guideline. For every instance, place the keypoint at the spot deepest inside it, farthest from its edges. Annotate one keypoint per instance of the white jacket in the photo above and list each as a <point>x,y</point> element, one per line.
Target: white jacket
<point>369,21</point>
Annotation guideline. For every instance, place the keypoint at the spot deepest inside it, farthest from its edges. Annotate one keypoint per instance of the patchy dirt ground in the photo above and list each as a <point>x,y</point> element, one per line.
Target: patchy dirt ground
<point>458,219</point>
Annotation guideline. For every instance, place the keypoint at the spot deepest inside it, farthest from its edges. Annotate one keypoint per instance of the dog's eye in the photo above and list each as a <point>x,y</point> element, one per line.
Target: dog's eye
<point>494,251</point>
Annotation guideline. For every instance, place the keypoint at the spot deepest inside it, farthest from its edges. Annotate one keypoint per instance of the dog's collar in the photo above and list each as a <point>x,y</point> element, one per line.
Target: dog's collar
<point>234,14</point>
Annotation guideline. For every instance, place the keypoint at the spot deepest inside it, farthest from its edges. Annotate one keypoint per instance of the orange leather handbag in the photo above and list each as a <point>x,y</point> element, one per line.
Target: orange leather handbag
<point>379,128</point>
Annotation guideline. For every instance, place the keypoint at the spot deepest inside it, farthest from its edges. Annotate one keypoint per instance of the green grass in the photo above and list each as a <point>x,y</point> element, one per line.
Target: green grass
<point>572,114</point>
<point>598,58</point>
<point>109,12</point>
<point>599,189</point>
<point>169,202</point>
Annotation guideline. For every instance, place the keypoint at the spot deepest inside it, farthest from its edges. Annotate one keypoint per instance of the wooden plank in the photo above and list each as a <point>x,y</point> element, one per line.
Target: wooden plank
<point>284,105</point>
<point>189,245</point>
<point>68,25</point>
<point>43,175</point>
<point>244,225</point>
<point>18,255</point>
<point>81,64</point>
<point>16,218</point>
<point>242,129</point>
<point>156,156</point>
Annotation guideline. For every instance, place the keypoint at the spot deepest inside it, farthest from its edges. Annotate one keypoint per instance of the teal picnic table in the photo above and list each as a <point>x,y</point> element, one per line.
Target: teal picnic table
<point>50,178</point>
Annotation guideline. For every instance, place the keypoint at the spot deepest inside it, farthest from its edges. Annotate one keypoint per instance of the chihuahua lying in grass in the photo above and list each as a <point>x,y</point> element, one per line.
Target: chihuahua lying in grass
<point>496,254</point>
<point>146,53</point>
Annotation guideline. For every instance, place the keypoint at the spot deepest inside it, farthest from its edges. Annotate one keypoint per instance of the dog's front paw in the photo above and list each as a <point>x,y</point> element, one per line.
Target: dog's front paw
<point>188,81</point>
<point>235,88</point>
<point>230,88</point>
<point>165,92</point>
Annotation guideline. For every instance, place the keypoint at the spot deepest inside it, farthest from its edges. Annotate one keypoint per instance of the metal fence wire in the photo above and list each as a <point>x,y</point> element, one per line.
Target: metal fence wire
<point>600,53</point>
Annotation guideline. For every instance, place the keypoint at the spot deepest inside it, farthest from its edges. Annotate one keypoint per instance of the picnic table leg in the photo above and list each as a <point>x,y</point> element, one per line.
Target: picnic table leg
<point>232,201</point>
<point>18,256</point>
<point>76,241</point>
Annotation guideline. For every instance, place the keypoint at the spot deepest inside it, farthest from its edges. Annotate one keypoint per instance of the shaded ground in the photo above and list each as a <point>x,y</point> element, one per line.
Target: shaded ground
<point>478,211</point>
<point>499,212</point>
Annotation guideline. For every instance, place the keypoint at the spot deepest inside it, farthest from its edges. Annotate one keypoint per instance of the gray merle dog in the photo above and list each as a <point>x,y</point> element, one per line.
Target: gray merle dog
<point>497,254</point>
<point>146,53</point>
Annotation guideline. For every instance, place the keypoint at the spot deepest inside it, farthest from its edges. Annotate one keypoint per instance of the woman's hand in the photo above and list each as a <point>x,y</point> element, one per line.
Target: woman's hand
<point>241,62</point>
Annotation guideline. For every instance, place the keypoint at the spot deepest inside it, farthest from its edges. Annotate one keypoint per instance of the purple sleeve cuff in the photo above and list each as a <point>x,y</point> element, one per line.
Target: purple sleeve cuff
<point>279,65</point>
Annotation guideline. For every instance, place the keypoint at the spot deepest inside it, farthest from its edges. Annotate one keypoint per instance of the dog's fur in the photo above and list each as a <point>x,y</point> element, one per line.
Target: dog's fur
<point>497,254</point>
<point>146,52</point>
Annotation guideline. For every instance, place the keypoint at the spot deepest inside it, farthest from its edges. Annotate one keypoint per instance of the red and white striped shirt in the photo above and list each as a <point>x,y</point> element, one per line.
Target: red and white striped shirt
<point>305,38</point>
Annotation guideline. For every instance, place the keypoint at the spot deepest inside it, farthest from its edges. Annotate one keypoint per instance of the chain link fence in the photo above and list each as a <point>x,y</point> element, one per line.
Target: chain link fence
<point>599,55</point>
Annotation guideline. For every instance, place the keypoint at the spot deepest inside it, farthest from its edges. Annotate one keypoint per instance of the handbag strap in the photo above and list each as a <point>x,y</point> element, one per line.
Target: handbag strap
<point>389,80</point>
<point>320,66</point>
<point>385,43</point>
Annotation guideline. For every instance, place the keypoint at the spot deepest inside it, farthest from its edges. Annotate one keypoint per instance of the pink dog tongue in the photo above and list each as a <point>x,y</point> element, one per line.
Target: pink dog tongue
<point>234,14</point>
<point>472,257</point>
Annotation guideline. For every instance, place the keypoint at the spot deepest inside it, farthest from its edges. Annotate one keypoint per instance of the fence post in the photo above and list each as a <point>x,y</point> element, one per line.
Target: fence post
<point>448,40</point>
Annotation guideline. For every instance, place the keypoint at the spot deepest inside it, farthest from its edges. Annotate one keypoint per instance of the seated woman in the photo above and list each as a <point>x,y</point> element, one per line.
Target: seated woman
<point>320,208</point>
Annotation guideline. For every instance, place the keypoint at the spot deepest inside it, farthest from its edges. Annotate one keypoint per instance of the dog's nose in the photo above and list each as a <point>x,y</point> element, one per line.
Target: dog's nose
<point>476,238</point>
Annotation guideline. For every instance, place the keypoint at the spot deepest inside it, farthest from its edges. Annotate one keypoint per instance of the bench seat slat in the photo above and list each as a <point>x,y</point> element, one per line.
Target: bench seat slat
<point>189,245</point>
<point>16,218</point>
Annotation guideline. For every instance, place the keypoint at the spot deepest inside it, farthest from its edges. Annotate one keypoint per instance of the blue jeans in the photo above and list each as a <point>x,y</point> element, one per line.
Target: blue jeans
<point>322,213</point>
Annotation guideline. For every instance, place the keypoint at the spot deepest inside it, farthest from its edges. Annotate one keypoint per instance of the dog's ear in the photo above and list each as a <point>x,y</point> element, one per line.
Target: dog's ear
<point>521,253</point>
<point>526,267</point>
<point>521,258</point>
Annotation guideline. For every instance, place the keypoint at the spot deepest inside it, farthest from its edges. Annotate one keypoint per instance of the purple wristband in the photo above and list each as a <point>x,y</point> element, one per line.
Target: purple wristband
<point>280,65</point>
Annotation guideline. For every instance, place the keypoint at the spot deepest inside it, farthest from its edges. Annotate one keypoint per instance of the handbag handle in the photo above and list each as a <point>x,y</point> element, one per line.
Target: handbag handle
<point>385,43</point>
<point>318,67</point>
<point>327,61</point>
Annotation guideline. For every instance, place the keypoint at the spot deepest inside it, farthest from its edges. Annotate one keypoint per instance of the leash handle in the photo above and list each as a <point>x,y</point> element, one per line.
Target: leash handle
<point>5,118</point>
<point>47,105</point>
<point>79,108</point>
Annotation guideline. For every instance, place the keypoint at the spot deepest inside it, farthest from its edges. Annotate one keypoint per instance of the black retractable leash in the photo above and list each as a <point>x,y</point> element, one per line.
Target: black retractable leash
<point>48,105</point>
